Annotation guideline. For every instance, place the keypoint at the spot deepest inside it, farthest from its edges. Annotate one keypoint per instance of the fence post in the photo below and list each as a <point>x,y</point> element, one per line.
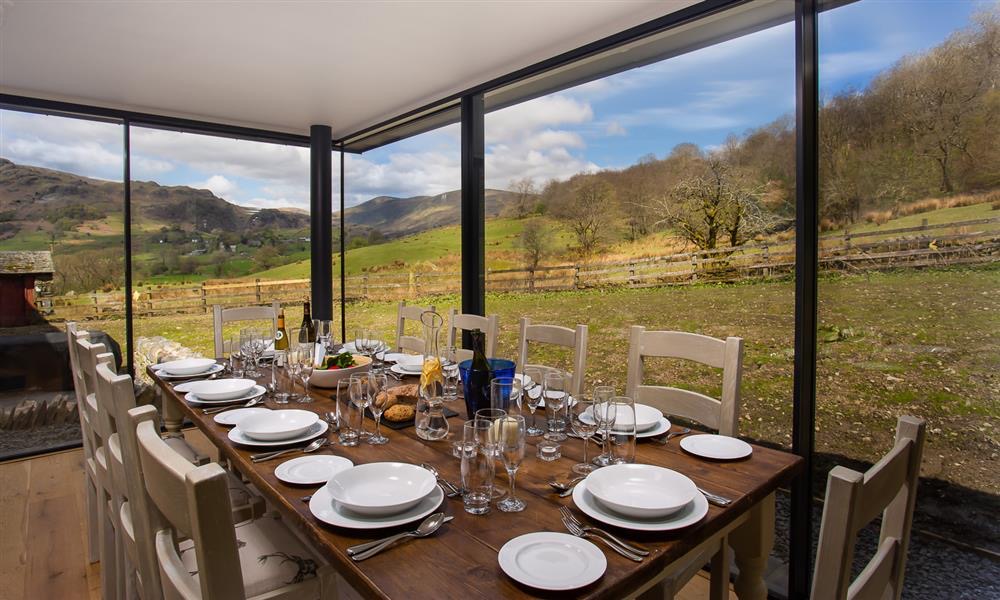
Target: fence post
<point>694,267</point>
<point>767,260</point>
<point>204,298</point>
<point>923,223</point>
<point>97,309</point>
<point>531,280</point>
<point>364,288</point>
<point>256,285</point>
<point>631,274</point>
<point>576,276</point>
<point>416,284</point>
<point>847,239</point>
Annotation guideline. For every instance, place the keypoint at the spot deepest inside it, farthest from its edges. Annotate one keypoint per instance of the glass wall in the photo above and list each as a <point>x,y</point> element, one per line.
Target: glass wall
<point>910,187</point>
<point>215,221</point>
<point>61,259</point>
<point>403,230</point>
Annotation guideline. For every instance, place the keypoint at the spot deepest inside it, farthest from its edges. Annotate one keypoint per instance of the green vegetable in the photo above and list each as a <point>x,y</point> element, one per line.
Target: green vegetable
<point>340,361</point>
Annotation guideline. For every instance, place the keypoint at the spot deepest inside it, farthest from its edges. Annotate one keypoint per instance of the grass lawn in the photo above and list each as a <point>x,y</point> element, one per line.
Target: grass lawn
<point>908,342</point>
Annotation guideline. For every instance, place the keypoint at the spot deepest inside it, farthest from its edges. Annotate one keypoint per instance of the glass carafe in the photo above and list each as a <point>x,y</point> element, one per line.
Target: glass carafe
<point>430,421</point>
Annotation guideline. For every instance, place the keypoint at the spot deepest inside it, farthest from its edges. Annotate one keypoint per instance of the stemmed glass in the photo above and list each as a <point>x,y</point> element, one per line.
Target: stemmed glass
<point>533,397</point>
<point>584,422</point>
<point>602,398</point>
<point>490,446</point>
<point>361,398</point>
<point>510,433</point>
<point>304,355</point>
<point>376,383</point>
<point>252,347</point>
<point>556,396</point>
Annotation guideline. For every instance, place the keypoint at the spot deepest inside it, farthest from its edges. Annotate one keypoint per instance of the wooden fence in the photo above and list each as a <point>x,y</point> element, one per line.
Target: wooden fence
<point>965,242</point>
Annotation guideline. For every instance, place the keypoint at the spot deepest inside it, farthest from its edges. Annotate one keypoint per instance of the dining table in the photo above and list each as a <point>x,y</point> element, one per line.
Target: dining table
<point>460,560</point>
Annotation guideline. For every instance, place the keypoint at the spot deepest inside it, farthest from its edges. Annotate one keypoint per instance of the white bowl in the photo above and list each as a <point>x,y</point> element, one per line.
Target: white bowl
<point>410,360</point>
<point>641,491</point>
<point>380,489</point>
<point>278,424</point>
<point>322,378</point>
<point>187,366</point>
<point>221,389</point>
<point>646,417</point>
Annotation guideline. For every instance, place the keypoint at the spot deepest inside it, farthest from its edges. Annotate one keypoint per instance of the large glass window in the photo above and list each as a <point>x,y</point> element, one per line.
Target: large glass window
<point>403,230</point>
<point>910,173</point>
<point>215,221</point>
<point>61,259</point>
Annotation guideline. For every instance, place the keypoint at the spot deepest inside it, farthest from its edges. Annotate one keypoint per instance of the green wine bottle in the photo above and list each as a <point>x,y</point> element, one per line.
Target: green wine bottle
<point>308,331</point>
<point>480,373</point>
<point>281,335</point>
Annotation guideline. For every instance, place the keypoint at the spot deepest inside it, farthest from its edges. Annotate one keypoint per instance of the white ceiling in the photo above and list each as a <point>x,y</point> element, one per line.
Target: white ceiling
<point>287,65</point>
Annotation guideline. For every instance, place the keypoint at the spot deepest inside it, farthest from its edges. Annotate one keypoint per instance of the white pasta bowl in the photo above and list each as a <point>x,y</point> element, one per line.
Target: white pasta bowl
<point>187,366</point>
<point>641,491</point>
<point>221,389</point>
<point>646,417</point>
<point>328,378</point>
<point>278,424</point>
<point>379,489</point>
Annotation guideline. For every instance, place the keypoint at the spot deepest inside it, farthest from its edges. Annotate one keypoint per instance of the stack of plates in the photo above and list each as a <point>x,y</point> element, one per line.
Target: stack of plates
<point>187,368</point>
<point>408,364</point>
<point>221,391</point>
<point>377,495</point>
<point>640,497</point>
<point>649,421</point>
<point>277,428</point>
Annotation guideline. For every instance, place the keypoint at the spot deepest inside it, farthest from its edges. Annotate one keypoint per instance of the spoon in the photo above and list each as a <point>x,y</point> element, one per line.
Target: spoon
<point>671,435</point>
<point>312,447</point>
<point>454,491</point>
<point>566,488</point>
<point>252,402</point>
<point>427,527</point>
<point>334,421</point>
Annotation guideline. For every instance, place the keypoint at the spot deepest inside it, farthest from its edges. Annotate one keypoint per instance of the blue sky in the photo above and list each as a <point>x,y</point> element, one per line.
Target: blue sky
<point>701,97</point>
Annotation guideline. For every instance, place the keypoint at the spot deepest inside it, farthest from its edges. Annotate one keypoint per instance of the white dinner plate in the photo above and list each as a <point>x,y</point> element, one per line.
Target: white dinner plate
<point>399,371</point>
<point>211,371</point>
<point>659,429</point>
<point>238,437</point>
<point>311,469</point>
<point>410,369</point>
<point>194,400</point>
<point>716,447</point>
<point>232,417</point>
<point>279,425</point>
<point>689,515</point>
<point>547,560</point>
<point>541,402</point>
<point>525,380</point>
<point>392,357</point>
<point>186,367</point>
<point>324,508</point>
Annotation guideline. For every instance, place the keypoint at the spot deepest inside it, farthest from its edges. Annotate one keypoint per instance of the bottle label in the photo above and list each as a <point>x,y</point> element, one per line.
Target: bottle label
<point>279,335</point>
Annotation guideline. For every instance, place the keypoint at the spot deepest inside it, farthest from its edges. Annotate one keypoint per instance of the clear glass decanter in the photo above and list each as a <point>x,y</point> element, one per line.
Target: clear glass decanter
<point>430,421</point>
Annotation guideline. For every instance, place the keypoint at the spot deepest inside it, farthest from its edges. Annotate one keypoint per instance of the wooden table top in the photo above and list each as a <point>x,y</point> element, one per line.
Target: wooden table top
<point>460,559</point>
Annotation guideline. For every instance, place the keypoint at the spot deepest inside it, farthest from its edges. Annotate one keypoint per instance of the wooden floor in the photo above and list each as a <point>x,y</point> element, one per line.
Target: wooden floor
<point>43,533</point>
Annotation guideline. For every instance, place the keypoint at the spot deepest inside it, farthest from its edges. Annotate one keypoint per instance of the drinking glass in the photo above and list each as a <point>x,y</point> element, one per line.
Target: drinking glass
<point>510,433</point>
<point>277,365</point>
<point>231,347</point>
<point>477,467</point>
<point>584,422</point>
<point>324,332</point>
<point>361,399</point>
<point>449,391</point>
<point>360,341</point>
<point>250,342</point>
<point>505,394</point>
<point>532,394</point>
<point>555,389</point>
<point>292,368</point>
<point>305,369</point>
<point>492,415</point>
<point>602,398</point>
<point>376,383</point>
<point>348,436</point>
<point>623,433</point>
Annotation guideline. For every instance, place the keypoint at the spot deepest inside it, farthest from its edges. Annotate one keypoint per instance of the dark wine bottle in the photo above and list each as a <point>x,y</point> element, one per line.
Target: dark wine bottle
<point>308,327</point>
<point>480,374</point>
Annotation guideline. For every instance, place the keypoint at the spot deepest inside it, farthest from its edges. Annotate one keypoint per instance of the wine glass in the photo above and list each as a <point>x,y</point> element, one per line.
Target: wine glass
<point>361,399</point>
<point>510,434</point>
<point>602,398</point>
<point>554,389</point>
<point>305,369</point>
<point>249,338</point>
<point>584,422</point>
<point>533,397</point>
<point>376,383</point>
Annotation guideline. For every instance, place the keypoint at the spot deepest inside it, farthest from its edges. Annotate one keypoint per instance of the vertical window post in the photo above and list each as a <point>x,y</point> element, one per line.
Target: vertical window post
<point>127,218</point>
<point>321,220</point>
<point>473,207</point>
<point>343,261</point>
<point>806,298</point>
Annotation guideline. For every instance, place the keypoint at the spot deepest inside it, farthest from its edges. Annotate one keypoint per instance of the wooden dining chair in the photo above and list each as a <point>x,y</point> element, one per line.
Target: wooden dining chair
<point>559,336</point>
<point>89,468</point>
<point>409,343</point>
<point>853,500</point>
<point>221,316</point>
<point>458,322</point>
<point>722,414</point>
<point>217,560</point>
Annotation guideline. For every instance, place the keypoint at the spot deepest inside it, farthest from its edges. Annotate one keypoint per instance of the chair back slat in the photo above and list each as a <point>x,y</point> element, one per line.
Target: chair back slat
<point>559,336</point>
<point>404,342</point>
<point>853,500</point>
<point>73,334</point>
<point>221,316</point>
<point>465,322</point>
<point>163,472</point>
<point>722,414</point>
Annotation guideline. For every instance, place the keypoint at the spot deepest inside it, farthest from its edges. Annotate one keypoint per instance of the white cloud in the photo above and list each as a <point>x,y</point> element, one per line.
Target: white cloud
<point>614,128</point>
<point>218,185</point>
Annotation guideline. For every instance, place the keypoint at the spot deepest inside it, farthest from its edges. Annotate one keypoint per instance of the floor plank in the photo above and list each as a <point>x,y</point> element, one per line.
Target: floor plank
<point>14,478</point>
<point>56,558</point>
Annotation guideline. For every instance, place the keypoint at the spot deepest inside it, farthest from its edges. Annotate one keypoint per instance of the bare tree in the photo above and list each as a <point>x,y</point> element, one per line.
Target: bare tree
<point>588,209</point>
<point>525,196</point>
<point>536,241</point>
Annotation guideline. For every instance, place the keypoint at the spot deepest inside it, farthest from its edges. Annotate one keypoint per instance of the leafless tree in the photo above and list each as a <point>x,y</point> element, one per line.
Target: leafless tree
<point>526,195</point>
<point>536,241</point>
<point>587,207</point>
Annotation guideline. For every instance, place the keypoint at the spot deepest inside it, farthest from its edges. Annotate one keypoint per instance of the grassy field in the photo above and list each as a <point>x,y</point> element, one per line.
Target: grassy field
<point>913,342</point>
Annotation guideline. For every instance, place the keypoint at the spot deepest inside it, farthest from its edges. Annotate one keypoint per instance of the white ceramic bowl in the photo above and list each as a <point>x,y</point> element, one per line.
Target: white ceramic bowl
<point>646,417</point>
<point>379,489</point>
<point>328,378</point>
<point>641,491</point>
<point>408,361</point>
<point>278,424</point>
<point>187,366</point>
<point>221,389</point>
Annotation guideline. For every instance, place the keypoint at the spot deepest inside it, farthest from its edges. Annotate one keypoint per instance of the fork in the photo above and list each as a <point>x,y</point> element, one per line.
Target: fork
<point>715,498</point>
<point>576,530</point>
<point>567,514</point>
<point>663,441</point>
